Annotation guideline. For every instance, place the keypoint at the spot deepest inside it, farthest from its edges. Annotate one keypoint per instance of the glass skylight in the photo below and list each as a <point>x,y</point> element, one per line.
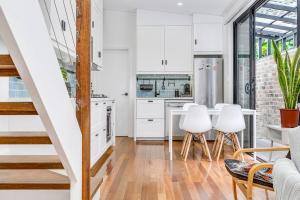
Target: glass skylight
<point>276,19</point>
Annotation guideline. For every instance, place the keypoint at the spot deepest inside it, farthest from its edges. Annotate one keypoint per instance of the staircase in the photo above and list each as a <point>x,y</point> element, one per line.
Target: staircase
<point>23,175</point>
<point>26,172</point>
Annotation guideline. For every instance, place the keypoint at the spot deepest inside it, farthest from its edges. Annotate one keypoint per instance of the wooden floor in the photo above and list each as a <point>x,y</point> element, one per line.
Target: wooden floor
<point>142,171</point>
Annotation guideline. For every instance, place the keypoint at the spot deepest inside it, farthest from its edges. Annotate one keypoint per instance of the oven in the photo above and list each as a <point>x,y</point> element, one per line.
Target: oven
<point>108,123</point>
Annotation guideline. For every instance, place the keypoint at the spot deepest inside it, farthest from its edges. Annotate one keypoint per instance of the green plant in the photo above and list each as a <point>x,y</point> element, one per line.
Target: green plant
<point>288,75</point>
<point>64,73</point>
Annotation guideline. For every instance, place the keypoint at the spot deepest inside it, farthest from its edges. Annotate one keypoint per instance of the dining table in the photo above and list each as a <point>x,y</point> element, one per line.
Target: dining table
<point>211,112</point>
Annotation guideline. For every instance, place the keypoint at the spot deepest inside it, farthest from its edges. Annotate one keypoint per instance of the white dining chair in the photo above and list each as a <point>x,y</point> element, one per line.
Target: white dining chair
<point>218,106</point>
<point>182,117</point>
<point>230,122</point>
<point>196,123</point>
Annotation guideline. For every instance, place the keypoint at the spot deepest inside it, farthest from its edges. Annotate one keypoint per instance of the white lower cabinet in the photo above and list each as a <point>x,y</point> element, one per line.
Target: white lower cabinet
<point>95,145</point>
<point>150,128</point>
<point>150,119</point>
<point>150,108</point>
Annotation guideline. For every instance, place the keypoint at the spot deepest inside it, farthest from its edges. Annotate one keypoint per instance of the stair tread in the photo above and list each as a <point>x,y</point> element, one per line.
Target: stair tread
<point>30,162</point>
<point>24,138</point>
<point>7,66</point>
<point>17,108</point>
<point>33,179</point>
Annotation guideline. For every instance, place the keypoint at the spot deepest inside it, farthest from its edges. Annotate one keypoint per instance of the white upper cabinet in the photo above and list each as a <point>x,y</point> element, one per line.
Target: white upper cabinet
<point>208,37</point>
<point>150,45</point>
<point>178,48</point>
<point>166,49</point>
<point>208,34</point>
<point>97,32</point>
<point>63,26</point>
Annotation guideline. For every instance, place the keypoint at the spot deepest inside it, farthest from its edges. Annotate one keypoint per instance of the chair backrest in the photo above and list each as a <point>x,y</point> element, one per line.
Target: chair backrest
<point>197,120</point>
<point>218,106</point>
<point>185,107</point>
<point>231,119</point>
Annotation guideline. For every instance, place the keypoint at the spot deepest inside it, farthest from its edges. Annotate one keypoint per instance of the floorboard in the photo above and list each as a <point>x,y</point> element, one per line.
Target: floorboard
<point>142,171</point>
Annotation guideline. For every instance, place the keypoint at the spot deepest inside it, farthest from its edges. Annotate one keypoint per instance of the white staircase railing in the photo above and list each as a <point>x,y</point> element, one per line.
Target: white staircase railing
<point>25,34</point>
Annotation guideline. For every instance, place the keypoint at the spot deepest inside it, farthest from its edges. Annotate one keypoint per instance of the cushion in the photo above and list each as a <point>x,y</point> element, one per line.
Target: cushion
<point>240,169</point>
<point>286,180</point>
<point>294,139</point>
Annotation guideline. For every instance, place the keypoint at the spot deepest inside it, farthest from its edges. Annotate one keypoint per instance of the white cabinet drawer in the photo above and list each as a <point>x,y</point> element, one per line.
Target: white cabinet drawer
<point>150,109</point>
<point>150,128</point>
<point>98,115</point>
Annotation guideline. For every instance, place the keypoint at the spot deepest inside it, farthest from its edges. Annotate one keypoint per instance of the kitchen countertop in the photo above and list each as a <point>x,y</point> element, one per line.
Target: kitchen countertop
<point>101,99</point>
<point>160,98</point>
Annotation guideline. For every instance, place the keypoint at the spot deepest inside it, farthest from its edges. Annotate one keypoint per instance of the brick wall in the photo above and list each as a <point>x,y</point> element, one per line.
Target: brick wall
<point>268,94</point>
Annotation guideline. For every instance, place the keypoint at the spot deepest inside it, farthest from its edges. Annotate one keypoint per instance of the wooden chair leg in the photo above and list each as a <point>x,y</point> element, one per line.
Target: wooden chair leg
<point>183,144</point>
<point>233,142</point>
<point>234,190</point>
<point>221,147</point>
<point>237,144</point>
<point>188,145</point>
<point>216,140</point>
<point>217,145</point>
<point>206,147</point>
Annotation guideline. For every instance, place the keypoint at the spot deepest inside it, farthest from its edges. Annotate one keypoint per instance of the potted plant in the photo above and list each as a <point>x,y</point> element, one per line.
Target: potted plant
<point>288,70</point>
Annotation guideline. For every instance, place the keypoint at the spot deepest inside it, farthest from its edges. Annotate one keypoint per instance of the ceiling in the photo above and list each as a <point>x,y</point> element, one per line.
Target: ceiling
<point>213,7</point>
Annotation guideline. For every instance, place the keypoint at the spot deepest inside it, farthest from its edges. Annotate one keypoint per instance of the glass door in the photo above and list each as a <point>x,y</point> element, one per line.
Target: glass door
<point>244,72</point>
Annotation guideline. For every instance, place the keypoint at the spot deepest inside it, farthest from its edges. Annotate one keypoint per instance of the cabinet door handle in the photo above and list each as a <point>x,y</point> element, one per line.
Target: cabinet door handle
<point>97,135</point>
<point>162,62</point>
<point>99,54</point>
<point>166,62</point>
<point>150,120</point>
<point>63,25</point>
<point>196,42</point>
<point>150,101</point>
<point>104,103</point>
<point>97,104</point>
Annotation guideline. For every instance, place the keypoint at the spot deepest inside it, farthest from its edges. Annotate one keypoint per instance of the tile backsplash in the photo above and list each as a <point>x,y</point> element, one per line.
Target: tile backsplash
<point>165,85</point>
<point>17,88</point>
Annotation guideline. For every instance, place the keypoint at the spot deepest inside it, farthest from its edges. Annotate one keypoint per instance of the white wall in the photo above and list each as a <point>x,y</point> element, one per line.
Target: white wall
<point>120,34</point>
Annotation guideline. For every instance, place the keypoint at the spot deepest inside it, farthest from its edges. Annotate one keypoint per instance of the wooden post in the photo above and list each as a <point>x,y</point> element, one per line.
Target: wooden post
<point>83,76</point>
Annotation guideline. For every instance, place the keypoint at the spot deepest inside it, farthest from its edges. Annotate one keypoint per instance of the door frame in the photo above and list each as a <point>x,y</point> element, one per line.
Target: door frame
<point>249,13</point>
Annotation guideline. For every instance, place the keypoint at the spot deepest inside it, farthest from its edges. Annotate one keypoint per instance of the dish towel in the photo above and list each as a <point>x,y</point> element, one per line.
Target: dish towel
<point>286,180</point>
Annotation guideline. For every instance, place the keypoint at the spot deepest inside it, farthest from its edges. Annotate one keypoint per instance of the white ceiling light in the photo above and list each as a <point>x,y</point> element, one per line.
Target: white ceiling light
<point>179,4</point>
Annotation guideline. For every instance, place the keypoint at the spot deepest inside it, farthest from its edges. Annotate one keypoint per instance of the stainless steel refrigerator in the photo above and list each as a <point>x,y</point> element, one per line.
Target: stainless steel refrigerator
<point>208,72</point>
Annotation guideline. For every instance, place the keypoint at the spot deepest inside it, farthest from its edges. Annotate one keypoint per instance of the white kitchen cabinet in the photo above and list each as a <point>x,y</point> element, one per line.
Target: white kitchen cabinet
<point>150,45</point>
<point>178,48</point>
<point>150,119</point>
<point>63,30</point>
<point>150,108</point>
<point>97,33</point>
<point>150,128</point>
<point>208,38</point>
<point>164,49</point>
<point>98,115</point>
